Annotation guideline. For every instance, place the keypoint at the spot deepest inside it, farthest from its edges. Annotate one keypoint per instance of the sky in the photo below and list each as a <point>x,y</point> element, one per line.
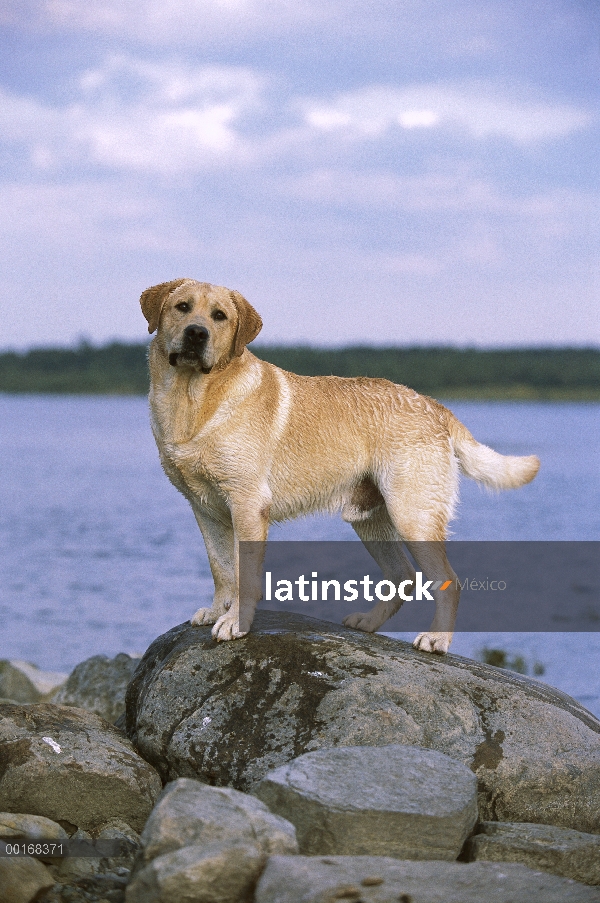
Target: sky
<point>388,172</point>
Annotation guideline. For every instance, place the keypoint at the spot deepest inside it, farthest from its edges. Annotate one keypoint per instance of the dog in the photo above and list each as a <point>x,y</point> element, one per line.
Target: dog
<point>249,444</point>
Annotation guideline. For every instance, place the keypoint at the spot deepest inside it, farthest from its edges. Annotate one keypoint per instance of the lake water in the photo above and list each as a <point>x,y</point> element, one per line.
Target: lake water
<point>100,554</point>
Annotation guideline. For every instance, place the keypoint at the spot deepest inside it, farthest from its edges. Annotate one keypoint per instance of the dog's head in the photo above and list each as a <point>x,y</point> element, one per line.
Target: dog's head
<point>199,325</point>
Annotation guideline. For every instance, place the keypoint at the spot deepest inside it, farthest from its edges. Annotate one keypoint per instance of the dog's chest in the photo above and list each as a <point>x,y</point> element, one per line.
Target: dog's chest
<point>186,461</point>
<point>187,471</point>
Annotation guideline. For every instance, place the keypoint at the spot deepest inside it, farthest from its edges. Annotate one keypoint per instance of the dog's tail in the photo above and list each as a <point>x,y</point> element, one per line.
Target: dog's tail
<point>483,464</point>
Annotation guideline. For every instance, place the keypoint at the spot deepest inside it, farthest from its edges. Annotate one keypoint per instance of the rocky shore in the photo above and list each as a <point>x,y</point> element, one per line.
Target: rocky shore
<point>305,763</point>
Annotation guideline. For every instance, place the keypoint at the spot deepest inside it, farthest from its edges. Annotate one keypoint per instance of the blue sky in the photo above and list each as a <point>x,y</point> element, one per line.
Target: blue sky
<point>382,172</point>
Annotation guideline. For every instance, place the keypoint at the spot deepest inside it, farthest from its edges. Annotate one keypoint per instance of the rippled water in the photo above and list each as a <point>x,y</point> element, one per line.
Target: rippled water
<point>100,554</point>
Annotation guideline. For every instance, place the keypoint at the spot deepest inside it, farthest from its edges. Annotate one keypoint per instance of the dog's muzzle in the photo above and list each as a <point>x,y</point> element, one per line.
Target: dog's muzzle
<point>193,346</point>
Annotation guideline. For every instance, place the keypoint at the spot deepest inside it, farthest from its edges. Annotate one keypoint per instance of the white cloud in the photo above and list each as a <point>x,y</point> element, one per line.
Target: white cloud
<point>370,120</point>
<point>171,117</point>
<point>480,109</point>
<point>169,82</point>
<point>167,117</point>
<point>416,119</point>
<point>133,115</point>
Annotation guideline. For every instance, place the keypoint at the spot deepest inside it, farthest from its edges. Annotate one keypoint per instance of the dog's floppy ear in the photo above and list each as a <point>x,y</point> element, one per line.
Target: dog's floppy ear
<point>249,323</point>
<point>153,298</point>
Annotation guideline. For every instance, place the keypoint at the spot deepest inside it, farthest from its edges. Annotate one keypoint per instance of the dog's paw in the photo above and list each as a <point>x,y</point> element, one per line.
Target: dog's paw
<point>433,642</point>
<point>227,628</point>
<point>204,616</point>
<point>360,620</point>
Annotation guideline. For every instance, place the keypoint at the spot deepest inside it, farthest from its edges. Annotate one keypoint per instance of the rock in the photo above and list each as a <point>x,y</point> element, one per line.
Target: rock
<point>98,685</point>
<point>375,879</point>
<point>23,682</point>
<point>189,812</point>
<point>561,851</point>
<point>199,874</point>
<point>206,844</point>
<point>116,835</point>
<point>128,841</point>
<point>108,888</point>
<point>227,713</point>
<point>32,827</point>
<point>22,879</point>
<point>400,801</point>
<point>71,869</point>
<point>71,766</point>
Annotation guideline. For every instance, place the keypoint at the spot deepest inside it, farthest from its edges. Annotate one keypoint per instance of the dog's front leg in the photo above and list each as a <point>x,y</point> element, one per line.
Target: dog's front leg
<point>217,531</point>
<point>250,518</point>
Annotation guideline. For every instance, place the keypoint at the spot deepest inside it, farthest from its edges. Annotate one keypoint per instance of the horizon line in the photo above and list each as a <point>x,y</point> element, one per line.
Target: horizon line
<point>86,343</point>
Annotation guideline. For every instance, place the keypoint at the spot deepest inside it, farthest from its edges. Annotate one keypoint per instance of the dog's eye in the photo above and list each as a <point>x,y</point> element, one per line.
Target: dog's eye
<point>218,315</point>
<point>184,307</point>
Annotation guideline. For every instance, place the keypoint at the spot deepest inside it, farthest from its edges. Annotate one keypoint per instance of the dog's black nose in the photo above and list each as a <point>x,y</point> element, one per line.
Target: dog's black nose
<point>196,334</point>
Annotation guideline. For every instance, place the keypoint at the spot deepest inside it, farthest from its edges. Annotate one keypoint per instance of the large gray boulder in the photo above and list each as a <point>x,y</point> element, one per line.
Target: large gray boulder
<point>398,801</point>
<point>72,767</point>
<point>98,685</point>
<point>377,879</point>
<point>208,844</point>
<point>561,851</point>
<point>227,713</point>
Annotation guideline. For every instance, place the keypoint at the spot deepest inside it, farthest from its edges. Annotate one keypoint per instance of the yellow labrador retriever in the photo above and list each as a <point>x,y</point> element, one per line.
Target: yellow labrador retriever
<point>249,444</point>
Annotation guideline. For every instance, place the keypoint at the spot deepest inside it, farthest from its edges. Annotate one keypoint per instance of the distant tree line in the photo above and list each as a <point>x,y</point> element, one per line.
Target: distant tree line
<point>120,368</point>
<point>115,369</point>
<point>523,372</point>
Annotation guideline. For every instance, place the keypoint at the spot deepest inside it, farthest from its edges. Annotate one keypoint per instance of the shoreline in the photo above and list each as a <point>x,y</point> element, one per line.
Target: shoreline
<point>516,393</point>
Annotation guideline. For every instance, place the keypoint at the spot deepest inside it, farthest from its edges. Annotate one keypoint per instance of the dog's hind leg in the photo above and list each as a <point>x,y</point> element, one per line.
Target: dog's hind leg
<point>433,562</point>
<point>420,508</point>
<point>383,543</point>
